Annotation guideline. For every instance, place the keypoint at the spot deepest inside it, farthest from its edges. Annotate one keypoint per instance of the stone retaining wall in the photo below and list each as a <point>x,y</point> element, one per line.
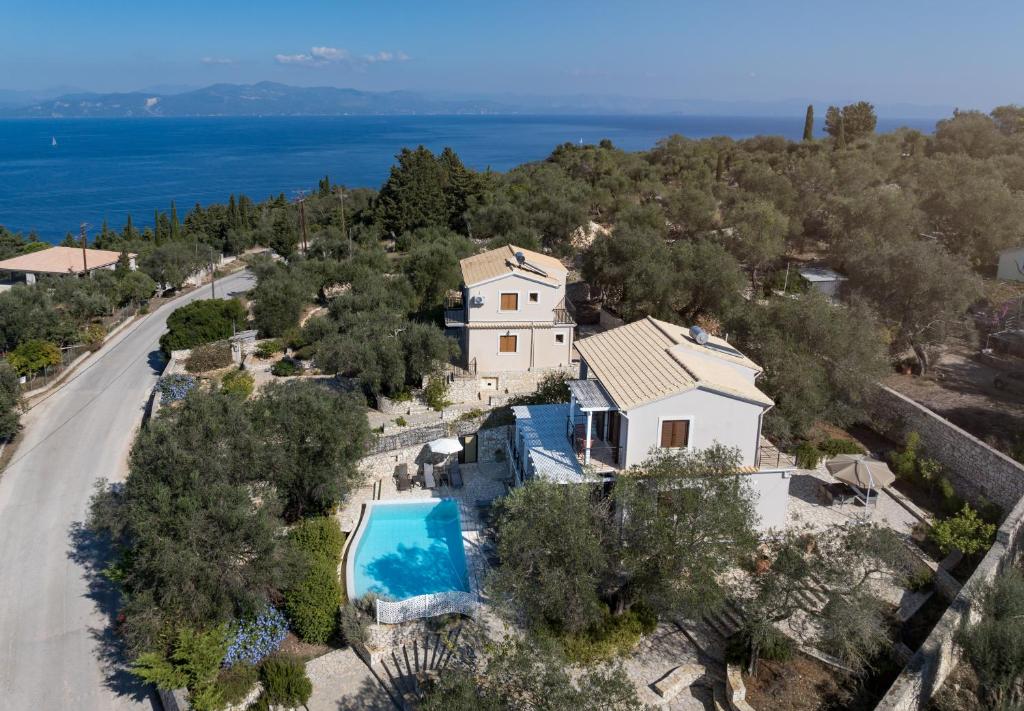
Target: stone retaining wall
<point>977,471</point>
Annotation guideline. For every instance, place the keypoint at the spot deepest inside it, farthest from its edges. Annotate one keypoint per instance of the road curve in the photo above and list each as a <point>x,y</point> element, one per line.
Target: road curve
<point>55,643</point>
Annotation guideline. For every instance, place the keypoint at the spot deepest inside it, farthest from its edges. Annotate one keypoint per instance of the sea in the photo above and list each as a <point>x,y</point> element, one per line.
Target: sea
<point>56,174</point>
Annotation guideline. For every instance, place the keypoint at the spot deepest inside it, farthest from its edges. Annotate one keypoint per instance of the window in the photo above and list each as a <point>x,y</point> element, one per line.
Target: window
<point>534,297</point>
<point>675,434</point>
<point>510,302</point>
<point>559,338</point>
<point>507,344</point>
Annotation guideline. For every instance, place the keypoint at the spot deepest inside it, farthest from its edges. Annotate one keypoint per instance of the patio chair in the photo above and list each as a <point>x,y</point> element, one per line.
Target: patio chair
<point>402,479</point>
<point>428,475</point>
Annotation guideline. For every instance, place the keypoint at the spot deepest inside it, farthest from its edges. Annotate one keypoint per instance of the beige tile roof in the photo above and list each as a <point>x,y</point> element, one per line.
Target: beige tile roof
<point>60,260</point>
<point>499,262</point>
<point>719,346</point>
<point>648,359</point>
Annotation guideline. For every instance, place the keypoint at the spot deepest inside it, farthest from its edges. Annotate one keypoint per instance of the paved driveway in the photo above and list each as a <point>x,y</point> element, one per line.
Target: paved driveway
<point>55,648</point>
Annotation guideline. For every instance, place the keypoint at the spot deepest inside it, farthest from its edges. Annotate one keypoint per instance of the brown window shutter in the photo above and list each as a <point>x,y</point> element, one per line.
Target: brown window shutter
<point>682,438</point>
<point>666,433</point>
<point>507,344</point>
<point>675,433</point>
<point>509,302</point>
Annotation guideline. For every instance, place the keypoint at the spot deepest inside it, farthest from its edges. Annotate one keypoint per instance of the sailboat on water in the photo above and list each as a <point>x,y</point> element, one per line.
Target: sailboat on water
<point>53,141</point>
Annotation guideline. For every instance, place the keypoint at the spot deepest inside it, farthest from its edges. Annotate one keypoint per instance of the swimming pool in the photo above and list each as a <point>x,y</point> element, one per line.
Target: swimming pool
<point>407,549</point>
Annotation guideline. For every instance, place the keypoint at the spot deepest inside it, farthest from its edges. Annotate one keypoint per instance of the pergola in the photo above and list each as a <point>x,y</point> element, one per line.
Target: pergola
<point>588,397</point>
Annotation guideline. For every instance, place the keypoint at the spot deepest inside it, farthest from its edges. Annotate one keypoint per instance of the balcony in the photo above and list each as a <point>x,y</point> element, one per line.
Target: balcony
<point>562,315</point>
<point>454,318</point>
<point>604,455</point>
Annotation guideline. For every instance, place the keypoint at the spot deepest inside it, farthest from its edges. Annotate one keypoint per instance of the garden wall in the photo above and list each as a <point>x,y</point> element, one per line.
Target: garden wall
<point>977,471</point>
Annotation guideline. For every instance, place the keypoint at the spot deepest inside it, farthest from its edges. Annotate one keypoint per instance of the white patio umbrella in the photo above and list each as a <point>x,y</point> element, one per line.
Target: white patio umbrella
<point>861,472</point>
<point>445,446</point>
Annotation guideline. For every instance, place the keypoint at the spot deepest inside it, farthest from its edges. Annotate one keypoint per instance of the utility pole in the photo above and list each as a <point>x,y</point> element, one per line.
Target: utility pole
<point>213,278</point>
<point>85,242</point>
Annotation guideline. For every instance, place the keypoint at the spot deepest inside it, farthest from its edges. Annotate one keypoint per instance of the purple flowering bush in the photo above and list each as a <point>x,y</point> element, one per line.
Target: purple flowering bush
<point>175,387</point>
<point>257,639</point>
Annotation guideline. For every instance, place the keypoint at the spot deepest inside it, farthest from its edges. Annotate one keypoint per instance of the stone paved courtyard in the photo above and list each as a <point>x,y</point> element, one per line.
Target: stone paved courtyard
<point>808,507</point>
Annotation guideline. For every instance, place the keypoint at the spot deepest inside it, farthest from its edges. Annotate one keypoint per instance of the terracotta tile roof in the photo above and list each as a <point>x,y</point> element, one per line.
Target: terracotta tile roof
<point>60,260</point>
<point>502,261</point>
<point>649,359</point>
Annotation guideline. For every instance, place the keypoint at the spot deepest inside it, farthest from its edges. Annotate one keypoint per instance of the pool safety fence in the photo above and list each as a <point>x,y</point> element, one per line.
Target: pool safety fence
<point>453,602</point>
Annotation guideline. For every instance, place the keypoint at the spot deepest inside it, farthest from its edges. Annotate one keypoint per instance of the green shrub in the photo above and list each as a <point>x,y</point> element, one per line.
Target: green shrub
<point>807,456</point>
<point>355,618</point>
<point>234,683</point>
<point>965,531</point>
<point>774,646</point>
<point>951,503</point>
<point>928,469</point>
<point>436,392</point>
<point>208,357</point>
<point>904,462</point>
<point>553,390</point>
<point>401,421</point>
<point>994,646</point>
<point>285,682</point>
<point>614,636</point>
<point>92,335</point>
<point>267,349</point>
<point>835,446</point>
<point>32,356</point>
<point>920,579</point>
<point>203,321</point>
<point>237,382</point>
<point>284,368</point>
<point>402,396</point>
<point>193,663</point>
<point>311,604</point>
<point>318,537</point>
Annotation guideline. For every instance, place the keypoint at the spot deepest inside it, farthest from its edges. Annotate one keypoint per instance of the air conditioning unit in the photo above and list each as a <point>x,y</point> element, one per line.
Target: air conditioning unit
<point>476,301</point>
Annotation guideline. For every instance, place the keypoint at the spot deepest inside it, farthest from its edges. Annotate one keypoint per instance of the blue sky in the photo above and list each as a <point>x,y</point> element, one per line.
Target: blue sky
<point>939,52</point>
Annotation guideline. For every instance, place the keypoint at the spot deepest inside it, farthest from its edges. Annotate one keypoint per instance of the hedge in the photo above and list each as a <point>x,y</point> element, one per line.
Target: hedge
<point>201,322</point>
<point>311,605</point>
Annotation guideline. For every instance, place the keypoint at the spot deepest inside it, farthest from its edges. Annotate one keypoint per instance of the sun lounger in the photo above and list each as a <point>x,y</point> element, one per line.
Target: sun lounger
<point>428,475</point>
<point>402,479</point>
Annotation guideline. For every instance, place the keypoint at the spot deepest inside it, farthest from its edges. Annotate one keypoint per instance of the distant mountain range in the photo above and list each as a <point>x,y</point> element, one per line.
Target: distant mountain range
<point>273,99</point>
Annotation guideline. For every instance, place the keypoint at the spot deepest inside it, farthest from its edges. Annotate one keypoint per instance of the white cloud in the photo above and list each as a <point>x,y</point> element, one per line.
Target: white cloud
<point>213,61</point>
<point>324,56</point>
<point>302,59</point>
<point>330,54</point>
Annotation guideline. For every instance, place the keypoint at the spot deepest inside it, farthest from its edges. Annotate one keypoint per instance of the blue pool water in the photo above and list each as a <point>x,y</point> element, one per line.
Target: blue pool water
<point>410,549</point>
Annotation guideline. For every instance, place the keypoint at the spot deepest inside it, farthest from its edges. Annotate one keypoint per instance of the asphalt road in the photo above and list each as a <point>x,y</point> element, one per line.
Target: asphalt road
<point>56,648</point>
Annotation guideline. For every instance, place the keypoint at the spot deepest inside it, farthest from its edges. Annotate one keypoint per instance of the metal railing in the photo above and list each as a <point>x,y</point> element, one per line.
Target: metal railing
<point>454,317</point>
<point>453,300</point>
<point>601,451</point>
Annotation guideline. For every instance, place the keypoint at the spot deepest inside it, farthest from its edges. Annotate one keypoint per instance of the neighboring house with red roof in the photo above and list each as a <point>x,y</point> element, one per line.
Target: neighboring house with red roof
<point>56,261</point>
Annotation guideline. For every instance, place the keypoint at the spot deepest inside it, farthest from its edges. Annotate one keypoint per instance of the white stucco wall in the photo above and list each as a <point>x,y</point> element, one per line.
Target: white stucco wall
<point>713,418</point>
<point>535,347</point>
<point>548,296</point>
<point>1011,265</point>
<point>771,490</point>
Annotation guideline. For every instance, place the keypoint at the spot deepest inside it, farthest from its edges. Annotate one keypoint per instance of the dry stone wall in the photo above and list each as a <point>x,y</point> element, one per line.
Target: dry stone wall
<point>977,471</point>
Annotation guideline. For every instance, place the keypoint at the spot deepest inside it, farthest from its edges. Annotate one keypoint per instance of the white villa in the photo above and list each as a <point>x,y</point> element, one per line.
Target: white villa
<point>57,261</point>
<point>510,314</point>
<point>647,386</point>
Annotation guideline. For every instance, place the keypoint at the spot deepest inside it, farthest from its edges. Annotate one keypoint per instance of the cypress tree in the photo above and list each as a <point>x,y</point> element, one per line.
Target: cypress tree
<point>233,220</point>
<point>175,226</point>
<point>129,230</point>
<point>809,123</point>
<point>156,227</point>
<point>719,164</point>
